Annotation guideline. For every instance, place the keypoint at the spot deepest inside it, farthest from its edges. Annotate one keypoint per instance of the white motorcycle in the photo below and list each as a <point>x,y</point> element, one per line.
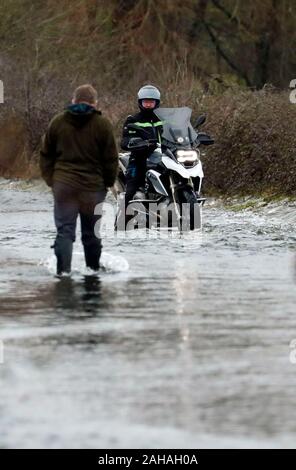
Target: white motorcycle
<point>172,193</point>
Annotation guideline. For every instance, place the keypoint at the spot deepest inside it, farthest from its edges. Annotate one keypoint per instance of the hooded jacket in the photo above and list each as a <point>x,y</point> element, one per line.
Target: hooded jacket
<point>79,149</point>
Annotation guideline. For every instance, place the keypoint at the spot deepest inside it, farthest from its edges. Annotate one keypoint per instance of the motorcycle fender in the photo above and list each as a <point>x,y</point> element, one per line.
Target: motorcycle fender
<point>154,178</point>
<point>181,170</point>
<point>196,171</point>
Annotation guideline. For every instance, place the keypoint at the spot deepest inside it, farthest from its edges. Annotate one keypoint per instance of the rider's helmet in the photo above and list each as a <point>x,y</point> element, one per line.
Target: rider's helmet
<point>148,92</point>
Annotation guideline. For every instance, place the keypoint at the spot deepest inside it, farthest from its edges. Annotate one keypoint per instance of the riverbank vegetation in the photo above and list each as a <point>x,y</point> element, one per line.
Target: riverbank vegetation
<point>230,59</point>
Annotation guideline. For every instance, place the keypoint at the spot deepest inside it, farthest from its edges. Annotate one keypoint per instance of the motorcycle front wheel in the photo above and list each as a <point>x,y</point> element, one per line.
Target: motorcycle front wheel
<point>190,211</point>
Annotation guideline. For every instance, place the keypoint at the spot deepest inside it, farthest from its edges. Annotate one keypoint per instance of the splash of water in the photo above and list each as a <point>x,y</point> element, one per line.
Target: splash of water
<point>108,263</point>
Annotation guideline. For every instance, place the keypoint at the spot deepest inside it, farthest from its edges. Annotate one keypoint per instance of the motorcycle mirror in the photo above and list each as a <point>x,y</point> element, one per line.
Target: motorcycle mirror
<point>205,139</point>
<point>200,120</point>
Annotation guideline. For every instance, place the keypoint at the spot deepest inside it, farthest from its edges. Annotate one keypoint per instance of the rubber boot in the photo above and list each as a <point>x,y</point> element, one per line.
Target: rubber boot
<point>92,253</point>
<point>63,248</point>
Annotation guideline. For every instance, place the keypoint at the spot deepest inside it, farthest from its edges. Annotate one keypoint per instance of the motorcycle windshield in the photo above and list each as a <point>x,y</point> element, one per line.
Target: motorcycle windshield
<point>177,127</point>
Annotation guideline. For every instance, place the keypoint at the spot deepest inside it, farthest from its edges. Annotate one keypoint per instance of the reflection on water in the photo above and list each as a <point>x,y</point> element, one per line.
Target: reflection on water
<point>70,296</point>
<point>189,348</point>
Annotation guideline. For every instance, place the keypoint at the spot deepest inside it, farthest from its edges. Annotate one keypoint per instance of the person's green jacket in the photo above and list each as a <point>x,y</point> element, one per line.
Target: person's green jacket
<point>79,149</point>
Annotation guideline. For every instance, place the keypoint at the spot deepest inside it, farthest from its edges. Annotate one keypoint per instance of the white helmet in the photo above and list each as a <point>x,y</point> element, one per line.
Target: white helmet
<point>149,92</point>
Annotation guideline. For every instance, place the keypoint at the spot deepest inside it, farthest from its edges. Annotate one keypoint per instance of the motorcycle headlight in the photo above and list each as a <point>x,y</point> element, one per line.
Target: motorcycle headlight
<point>189,157</point>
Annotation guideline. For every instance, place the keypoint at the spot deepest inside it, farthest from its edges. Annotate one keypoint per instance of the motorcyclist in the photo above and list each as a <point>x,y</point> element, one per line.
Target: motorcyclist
<point>142,139</point>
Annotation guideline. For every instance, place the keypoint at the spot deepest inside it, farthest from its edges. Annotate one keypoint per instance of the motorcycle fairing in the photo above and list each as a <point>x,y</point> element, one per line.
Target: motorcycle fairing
<point>154,178</point>
<point>186,173</point>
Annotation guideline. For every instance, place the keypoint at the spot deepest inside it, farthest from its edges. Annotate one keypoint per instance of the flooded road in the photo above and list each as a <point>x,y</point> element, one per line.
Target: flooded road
<point>181,342</point>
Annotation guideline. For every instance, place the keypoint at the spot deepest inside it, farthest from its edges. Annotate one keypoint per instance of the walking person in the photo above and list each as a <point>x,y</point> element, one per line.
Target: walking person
<point>79,161</point>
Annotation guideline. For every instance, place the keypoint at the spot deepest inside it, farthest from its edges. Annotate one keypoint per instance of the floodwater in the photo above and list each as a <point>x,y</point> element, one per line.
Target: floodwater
<point>180,342</point>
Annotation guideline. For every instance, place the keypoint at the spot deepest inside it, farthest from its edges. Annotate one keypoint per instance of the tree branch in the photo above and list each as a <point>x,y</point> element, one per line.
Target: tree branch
<point>223,54</point>
<point>229,15</point>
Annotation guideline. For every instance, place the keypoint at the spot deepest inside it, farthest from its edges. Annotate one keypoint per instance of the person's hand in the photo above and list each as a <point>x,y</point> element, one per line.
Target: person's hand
<point>136,142</point>
<point>152,143</point>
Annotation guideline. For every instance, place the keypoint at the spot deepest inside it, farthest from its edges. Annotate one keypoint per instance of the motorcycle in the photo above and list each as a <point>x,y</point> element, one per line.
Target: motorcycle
<point>172,194</point>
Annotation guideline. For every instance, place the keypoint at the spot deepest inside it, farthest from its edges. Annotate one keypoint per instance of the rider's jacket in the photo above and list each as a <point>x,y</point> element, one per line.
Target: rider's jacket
<point>150,127</point>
